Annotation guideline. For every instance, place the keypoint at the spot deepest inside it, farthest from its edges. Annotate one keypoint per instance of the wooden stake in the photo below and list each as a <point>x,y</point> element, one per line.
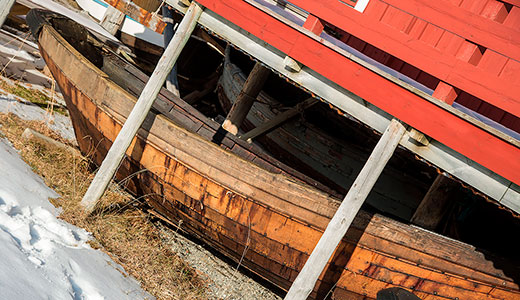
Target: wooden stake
<point>435,203</point>
<point>5,8</point>
<point>172,84</point>
<point>339,224</point>
<point>278,120</point>
<point>112,20</point>
<point>141,108</point>
<point>252,87</point>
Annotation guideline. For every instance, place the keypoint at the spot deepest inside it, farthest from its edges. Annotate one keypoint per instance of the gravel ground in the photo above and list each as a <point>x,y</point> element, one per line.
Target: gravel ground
<point>224,281</point>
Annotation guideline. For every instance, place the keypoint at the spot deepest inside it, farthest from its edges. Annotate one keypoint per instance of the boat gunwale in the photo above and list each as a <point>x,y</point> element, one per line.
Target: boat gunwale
<point>503,136</point>
<point>326,199</point>
<point>401,225</point>
<point>351,56</point>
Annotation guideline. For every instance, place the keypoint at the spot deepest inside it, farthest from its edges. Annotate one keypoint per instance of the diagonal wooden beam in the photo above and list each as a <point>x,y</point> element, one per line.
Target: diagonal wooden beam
<point>142,107</point>
<point>340,222</point>
<point>5,8</point>
<point>252,87</point>
<point>277,121</point>
<point>435,203</point>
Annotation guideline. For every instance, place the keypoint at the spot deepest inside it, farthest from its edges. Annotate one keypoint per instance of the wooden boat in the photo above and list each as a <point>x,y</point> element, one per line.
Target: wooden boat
<point>431,95</point>
<point>332,159</point>
<point>299,143</point>
<point>242,202</point>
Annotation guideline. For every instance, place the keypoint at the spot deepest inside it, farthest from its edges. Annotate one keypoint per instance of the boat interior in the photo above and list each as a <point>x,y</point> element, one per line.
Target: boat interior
<point>470,216</point>
<point>481,110</point>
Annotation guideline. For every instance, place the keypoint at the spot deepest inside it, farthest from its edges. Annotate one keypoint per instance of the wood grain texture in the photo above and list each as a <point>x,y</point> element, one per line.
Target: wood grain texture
<point>240,108</point>
<point>425,116</point>
<point>224,208</point>
<point>141,108</point>
<point>278,120</point>
<point>435,203</point>
<point>308,148</point>
<point>304,283</point>
<point>5,8</point>
<point>112,20</point>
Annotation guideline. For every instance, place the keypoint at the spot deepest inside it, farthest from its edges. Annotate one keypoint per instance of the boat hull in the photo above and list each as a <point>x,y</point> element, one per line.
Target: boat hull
<point>267,221</point>
<point>332,161</point>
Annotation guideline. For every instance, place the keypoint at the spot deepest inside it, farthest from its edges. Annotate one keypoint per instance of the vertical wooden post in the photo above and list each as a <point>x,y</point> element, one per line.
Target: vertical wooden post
<point>172,84</point>
<point>5,8</point>
<point>252,87</point>
<point>141,108</point>
<point>339,224</point>
<point>112,20</point>
<point>435,203</point>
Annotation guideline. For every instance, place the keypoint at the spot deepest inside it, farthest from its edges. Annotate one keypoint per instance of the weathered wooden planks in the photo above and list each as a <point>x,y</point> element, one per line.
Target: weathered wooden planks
<point>112,20</point>
<point>133,80</point>
<point>427,117</point>
<point>435,203</point>
<point>5,8</point>
<point>278,120</point>
<point>343,217</point>
<point>240,108</point>
<point>141,108</point>
<point>143,16</point>
<point>224,216</point>
<point>308,148</point>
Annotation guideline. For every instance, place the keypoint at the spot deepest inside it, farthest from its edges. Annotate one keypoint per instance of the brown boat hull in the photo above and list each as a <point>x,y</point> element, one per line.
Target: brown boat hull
<point>267,221</point>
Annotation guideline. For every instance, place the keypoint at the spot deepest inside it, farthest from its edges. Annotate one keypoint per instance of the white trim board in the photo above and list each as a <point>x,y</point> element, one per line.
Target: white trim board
<point>484,180</point>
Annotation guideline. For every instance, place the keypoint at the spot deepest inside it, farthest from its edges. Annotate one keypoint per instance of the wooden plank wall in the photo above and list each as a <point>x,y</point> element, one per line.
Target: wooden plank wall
<point>440,124</point>
<point>441,59</point>
<point>451,65</point>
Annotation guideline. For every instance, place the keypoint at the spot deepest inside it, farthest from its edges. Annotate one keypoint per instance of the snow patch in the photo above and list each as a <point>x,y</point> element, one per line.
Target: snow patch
<point>42,256</point>
<point>25,110</point>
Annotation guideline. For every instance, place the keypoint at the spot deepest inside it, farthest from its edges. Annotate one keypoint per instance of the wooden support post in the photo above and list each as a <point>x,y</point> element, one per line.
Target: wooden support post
<point>5,8</point>
<point>278,120</point>
<point>141,108</point>
<point>172,84</point>
<point>252,87</point>
<point>435,203</point>
<point>339,224</point>
<point>112,20</point>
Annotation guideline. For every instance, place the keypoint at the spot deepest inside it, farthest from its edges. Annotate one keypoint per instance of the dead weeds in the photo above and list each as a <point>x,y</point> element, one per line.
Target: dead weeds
<point>122,229</point>
<point>33,96</point>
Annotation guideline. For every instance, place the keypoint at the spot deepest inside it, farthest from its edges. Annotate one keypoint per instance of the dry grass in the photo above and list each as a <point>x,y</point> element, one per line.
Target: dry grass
<point>122,228</point>
<point>33,96</point>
